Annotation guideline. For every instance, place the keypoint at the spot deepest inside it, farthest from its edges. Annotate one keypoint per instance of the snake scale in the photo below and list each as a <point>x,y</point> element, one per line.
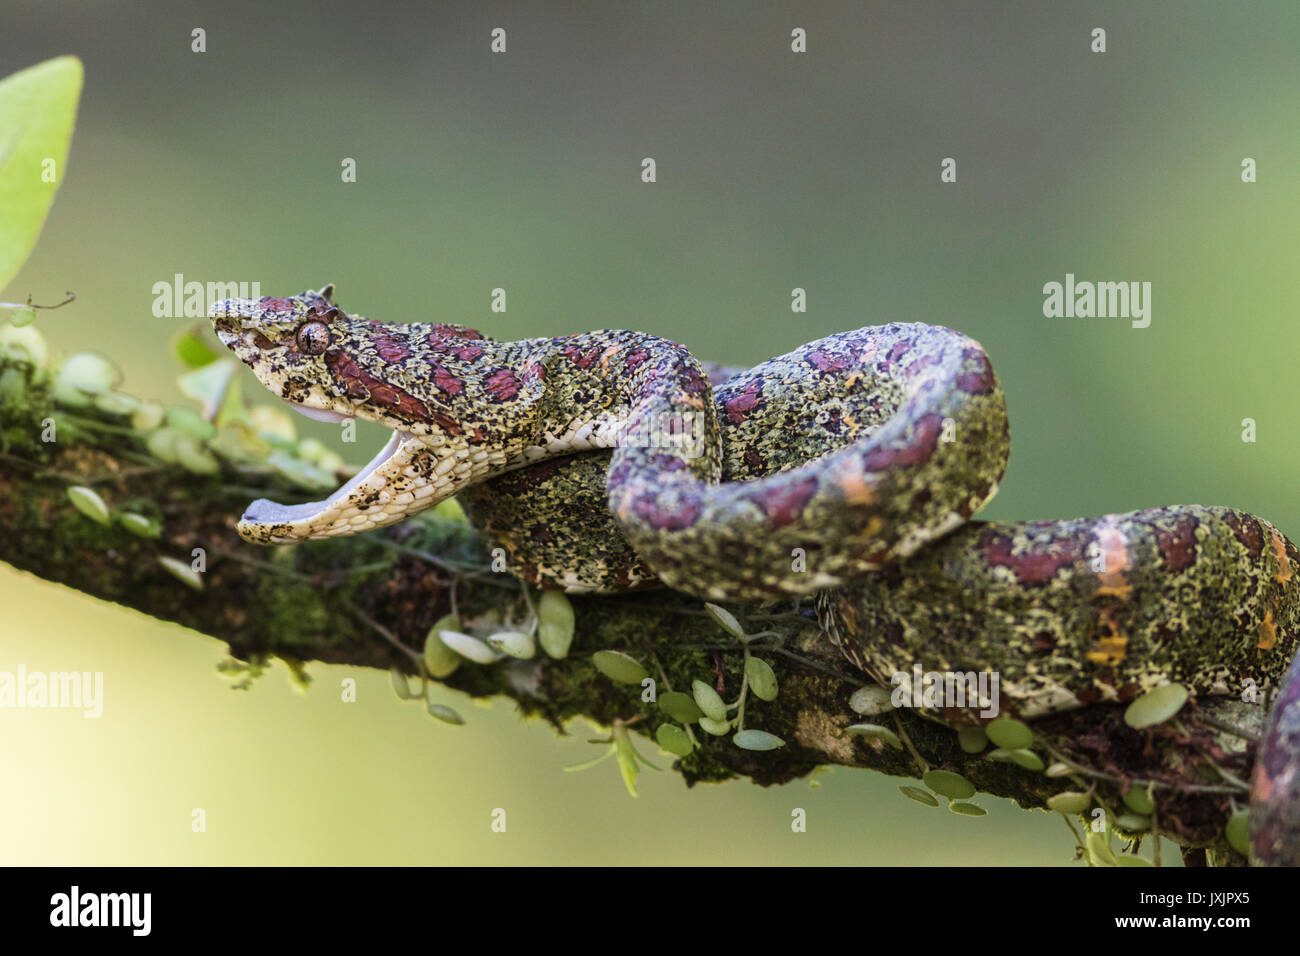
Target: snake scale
<point>849,468</point>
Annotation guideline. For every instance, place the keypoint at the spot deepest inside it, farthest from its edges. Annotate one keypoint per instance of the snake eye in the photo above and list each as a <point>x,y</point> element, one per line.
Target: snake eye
<point>313,338</point>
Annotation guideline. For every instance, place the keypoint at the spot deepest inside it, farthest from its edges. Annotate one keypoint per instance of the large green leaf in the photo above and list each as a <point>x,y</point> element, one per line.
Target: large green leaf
<point>38,107</point>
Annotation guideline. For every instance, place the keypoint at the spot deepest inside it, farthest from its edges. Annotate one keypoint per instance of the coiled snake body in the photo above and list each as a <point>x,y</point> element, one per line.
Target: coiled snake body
<point>848,467</point>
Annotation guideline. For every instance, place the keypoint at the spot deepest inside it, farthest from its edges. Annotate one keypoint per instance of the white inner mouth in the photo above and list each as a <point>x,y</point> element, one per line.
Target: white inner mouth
<point>319,414</point>
<point>265,511</point>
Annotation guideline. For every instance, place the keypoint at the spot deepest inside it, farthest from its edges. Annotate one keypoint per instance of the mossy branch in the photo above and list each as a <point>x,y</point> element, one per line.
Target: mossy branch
<point>370,601</point>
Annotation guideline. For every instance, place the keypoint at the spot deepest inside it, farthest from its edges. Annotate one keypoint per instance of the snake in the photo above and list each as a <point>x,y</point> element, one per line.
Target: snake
<point>848,469</point>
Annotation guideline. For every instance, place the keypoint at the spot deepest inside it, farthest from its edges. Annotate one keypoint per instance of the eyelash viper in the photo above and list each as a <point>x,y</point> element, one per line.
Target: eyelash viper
<point>847,468</point>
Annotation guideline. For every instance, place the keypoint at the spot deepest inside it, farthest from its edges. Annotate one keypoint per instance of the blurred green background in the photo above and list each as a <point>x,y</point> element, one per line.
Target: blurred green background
<point>522,170</point>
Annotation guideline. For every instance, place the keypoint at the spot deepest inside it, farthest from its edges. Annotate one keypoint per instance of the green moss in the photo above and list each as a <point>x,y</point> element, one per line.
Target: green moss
<point>297,615</point>
<point>23,407</point>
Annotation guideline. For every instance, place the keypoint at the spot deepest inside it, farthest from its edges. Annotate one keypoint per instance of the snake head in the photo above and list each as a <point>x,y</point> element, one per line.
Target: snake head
<point>333,367</point>
<point>291,343</point>
<point>416,379</point>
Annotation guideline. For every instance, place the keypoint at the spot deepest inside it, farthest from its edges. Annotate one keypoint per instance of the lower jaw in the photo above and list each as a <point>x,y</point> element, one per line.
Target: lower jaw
<point>266,521</point>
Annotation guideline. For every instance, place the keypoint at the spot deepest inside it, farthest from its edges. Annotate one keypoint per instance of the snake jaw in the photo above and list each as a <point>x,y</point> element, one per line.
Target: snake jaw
<point>320,414</point>
<point>334,367</point>
<point>394,485</point>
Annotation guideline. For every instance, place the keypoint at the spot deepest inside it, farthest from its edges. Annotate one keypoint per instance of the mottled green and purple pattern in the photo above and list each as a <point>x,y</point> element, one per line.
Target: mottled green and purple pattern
<point>1091,609</point>
<point>608,460</point>
<point>847,453</point>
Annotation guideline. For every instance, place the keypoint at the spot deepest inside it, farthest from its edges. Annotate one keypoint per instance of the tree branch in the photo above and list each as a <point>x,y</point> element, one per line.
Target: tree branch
<point>370,600</point>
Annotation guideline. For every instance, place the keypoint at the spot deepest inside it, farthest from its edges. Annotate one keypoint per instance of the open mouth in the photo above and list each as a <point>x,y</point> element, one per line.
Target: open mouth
<point>363,502</point>
<point>263,511</point>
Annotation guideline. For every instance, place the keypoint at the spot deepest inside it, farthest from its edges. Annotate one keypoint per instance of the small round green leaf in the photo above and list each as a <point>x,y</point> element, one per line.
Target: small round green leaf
<point>190,422</point>
<point>762,679</point>
<point>554,623</point>
<point>920,796</point>
<point>188,346</point>
<point>1069,802</point>
<point>239,443</point>
<point>517,644</point>
<point>24,344</point>
<point>116,403</point>
<point>138,524</point>
<point>1009,733</point>
<point>401,685</point>
<point>870,700</point>
<point>302,473</point>
<point>707,699</point>
<point>312,450</point>
<point>88,502</point>
<point>877,732</point>
<point>680,707</point>
<point>619,667</point>
<point>273,421</point>
<point>1156,706</point>
<point>1237,831</point>
<point>23,316</point>
<point>951,785</point>
<point>718,728</point>
<point>674,740</point>
<point>757,740</point>
<point>13,385</point>
<point>182,572</point>
<point>1027,759</point>
<point>468,647</point>
<point>148,416</point>
<point>1132,822</point>
<point>82,376</point>
<point>726,620</point>
<point>193,457</point>
<point>162,443</point>
<point>967,809</point>
<point>973,740</point>
<point>1139,801</point>
<point>447,715</point>
<point>439,659</point>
